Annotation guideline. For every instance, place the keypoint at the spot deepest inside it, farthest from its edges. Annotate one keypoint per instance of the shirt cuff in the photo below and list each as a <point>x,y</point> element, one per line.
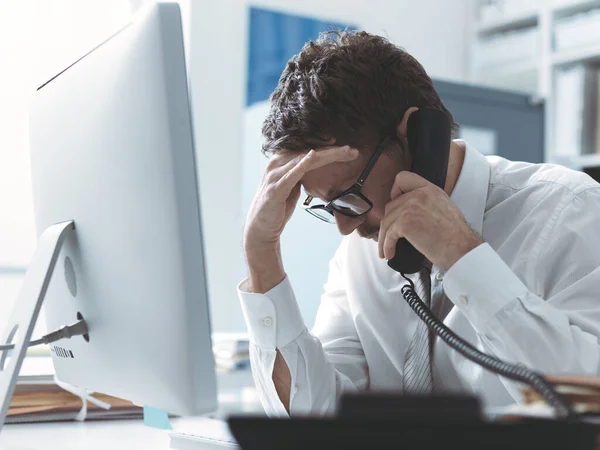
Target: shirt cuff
<point>481,284</point>
<point>273,318</point>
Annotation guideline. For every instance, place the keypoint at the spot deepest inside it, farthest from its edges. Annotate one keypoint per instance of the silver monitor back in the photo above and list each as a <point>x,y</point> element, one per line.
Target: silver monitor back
<point>112,150</point>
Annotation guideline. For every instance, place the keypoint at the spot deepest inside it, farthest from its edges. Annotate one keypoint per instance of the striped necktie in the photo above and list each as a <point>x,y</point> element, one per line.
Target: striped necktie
<point>417,364</point>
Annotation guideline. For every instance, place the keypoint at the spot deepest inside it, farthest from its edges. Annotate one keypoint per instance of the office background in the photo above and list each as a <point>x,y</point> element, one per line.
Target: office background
<point>517,64</point>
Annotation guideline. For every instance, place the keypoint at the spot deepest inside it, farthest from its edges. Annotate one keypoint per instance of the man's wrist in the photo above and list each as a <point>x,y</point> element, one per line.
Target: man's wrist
<point>461,249</point>
<point>265,268</point>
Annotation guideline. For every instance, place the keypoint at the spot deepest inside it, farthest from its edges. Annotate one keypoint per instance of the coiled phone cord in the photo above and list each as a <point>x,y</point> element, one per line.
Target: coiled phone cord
<point>511,371</point>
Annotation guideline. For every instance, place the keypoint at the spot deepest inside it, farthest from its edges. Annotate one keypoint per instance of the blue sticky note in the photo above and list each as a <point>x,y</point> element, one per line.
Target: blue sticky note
<point>156,418</point>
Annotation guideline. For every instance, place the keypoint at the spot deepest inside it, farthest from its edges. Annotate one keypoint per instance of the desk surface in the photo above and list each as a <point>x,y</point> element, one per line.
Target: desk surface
<point>113,434</point>
<point>129,434</point>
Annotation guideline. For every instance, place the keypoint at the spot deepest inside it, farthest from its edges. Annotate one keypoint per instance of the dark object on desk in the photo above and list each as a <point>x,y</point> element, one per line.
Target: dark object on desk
<point>362,424</point>
<point>392,406</point>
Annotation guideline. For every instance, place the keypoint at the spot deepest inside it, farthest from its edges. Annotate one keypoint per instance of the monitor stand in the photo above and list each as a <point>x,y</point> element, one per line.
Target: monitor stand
<point>27,308</point>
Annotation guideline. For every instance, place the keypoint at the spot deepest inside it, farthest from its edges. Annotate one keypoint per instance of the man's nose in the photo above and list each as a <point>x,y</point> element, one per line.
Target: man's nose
<point>345,224</point>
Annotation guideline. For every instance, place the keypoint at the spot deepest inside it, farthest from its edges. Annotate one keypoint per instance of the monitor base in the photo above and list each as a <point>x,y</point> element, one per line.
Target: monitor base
<point>27,308</point>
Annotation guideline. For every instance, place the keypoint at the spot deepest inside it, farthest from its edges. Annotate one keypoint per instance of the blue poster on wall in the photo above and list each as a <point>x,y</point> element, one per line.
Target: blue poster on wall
<point>274,38</point>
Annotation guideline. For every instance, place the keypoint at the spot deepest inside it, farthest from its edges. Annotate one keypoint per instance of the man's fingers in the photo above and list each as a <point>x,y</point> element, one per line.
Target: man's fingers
<point>280,168</point>
<point>288,158</point>
<point>406,182</point>
<point>391,239</point>
<point>388,220</point>
<point>314,160</point>
<point>327,155</point>
<point>292,171</point>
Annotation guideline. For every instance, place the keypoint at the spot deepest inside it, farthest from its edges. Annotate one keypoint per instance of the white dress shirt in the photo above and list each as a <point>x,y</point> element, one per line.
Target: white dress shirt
<point>530,294</point>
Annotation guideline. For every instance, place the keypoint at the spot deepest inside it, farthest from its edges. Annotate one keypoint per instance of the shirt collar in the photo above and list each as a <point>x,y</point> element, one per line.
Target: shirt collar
<point>471,189</point>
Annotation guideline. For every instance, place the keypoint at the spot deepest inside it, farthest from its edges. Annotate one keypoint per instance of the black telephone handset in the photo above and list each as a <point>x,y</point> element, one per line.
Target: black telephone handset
<point>429,134</point>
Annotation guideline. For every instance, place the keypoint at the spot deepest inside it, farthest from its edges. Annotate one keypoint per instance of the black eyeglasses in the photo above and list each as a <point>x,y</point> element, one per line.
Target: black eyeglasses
<point>351,202</point>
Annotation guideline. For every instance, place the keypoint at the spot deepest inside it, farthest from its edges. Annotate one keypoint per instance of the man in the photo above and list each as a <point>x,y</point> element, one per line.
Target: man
<point>514,247</point>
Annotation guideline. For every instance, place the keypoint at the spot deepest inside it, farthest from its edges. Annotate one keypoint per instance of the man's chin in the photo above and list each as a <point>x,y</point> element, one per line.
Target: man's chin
<point>373,237</point>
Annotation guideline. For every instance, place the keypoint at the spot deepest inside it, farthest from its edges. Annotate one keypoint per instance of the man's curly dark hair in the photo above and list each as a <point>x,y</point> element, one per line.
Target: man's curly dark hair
<point>349,85</point>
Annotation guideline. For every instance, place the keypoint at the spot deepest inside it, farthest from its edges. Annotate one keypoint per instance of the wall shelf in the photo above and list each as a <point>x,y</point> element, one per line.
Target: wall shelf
<point>520,76</point>
<point>577,55</point>
<point>567,8</point>
<point>523,20</point>
<point>539,77</point>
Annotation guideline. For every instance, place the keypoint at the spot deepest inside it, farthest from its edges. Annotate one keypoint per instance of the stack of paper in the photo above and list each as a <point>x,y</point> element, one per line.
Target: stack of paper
<point>580,391</point>
<point>38,397</point>
<point>49,402</point>
<point>576,115</point>
<point>231,351</point>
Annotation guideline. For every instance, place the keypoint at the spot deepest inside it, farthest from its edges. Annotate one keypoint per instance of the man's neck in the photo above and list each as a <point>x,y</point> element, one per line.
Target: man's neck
<point>455,164</point>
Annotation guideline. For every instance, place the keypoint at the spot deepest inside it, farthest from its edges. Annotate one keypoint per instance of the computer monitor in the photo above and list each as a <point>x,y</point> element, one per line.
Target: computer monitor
<point>112,150</point>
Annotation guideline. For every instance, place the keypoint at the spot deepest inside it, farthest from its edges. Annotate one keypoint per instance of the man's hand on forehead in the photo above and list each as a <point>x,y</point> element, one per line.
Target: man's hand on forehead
<point>280,189</point>
<point>315,159</point>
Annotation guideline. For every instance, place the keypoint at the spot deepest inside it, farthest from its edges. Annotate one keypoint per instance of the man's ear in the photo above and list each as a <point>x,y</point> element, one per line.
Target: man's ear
<point>401,128</point>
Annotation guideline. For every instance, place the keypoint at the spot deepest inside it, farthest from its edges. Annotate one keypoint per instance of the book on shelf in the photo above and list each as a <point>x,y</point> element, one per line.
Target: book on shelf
<point>576,116</point>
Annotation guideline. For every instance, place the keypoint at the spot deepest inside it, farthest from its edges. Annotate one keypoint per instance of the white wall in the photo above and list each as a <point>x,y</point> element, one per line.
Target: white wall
<point>38,38</point>
<point>216,68</point>
<point>436,32</point>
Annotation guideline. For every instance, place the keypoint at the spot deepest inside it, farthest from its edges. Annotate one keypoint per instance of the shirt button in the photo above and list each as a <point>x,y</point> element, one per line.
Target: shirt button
<point>439,277</point>
<point>267,321</point>
<point>463,299</point>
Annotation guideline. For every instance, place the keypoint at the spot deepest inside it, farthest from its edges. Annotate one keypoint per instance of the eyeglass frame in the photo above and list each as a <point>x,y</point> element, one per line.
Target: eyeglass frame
<point>355,189</point>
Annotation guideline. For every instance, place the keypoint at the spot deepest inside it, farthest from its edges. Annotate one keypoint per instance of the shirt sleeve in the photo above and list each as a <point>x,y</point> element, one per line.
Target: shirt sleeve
<point>549,318</point>
<point>320,368</point>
